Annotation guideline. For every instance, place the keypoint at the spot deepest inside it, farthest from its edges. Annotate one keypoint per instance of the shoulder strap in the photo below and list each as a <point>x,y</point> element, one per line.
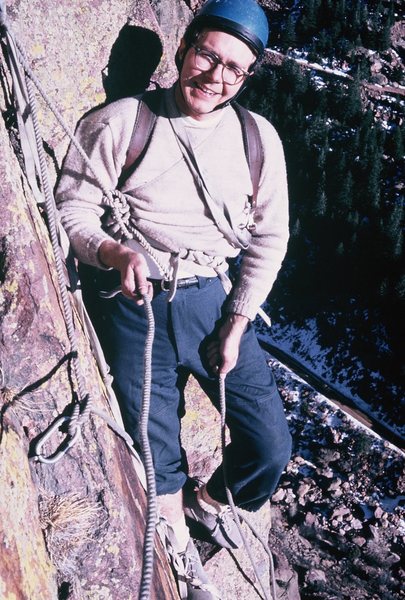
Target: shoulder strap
<point>253,148</point>
<point>145,122</point>
<point>142,132</point>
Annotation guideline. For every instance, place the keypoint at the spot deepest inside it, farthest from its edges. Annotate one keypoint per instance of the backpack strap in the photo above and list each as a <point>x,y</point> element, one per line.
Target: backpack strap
<point>145,123</point>
<point>253,148</point>
<point>142,132</point>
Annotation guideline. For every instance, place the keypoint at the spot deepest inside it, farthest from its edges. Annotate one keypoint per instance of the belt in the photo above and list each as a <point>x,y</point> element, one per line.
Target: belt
<point>186,282</point>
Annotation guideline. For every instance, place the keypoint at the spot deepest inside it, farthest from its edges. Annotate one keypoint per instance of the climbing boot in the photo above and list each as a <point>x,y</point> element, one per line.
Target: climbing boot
<point>220,526</point>
<point>192,581</point>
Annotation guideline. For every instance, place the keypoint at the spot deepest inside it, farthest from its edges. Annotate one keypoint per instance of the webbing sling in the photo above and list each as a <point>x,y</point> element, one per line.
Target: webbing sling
<point>145,122</point>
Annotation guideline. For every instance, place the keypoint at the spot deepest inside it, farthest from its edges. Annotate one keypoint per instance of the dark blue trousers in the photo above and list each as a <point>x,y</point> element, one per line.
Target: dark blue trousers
<point>260,445</point>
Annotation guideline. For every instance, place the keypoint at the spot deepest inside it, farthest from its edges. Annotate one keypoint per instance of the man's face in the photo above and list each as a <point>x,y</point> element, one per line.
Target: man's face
<point>199,92</point>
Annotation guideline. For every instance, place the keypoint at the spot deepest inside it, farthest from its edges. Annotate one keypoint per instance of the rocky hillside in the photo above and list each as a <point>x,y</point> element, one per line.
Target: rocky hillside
<point>337,518</point>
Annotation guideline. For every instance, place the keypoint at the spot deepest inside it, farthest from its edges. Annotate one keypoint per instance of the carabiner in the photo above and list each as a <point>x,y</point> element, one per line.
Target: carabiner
<point>67,443</point>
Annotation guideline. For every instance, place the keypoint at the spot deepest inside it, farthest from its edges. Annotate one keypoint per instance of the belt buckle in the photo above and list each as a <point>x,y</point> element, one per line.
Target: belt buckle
<point>163,287</point>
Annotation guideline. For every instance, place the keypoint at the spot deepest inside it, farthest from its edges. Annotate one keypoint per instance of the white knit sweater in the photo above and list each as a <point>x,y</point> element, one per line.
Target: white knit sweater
<point>166,203</point>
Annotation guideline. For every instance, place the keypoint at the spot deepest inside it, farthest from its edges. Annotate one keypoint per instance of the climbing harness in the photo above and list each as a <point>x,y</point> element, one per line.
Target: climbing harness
<point>82,407</point>
<point>140,138</point>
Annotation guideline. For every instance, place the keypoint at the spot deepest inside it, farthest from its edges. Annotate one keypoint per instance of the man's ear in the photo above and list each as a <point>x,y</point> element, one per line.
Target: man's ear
<point>182,49</point>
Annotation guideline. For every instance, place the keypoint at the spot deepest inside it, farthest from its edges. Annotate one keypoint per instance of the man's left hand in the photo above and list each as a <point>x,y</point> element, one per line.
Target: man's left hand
<point>223,353</point>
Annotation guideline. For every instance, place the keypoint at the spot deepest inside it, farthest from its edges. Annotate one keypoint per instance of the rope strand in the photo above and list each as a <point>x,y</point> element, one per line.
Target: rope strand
<point>84,397</point>
<point>118,203</point>
<point>235,512</point>
<point>151,516</point>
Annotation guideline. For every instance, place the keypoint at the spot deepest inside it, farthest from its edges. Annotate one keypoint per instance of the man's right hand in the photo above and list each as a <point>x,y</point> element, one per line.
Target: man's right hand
<point>132,267</point>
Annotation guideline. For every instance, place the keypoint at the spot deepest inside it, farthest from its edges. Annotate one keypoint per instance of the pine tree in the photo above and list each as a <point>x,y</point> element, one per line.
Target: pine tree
<point>288,36</point>
<point>353,105</point>
<point>308,20</point>
<point>321,201</point>
<point>296,228</point>
<point>393,226</point>
<point>384,37</point>
<point>373,185</point>
<point>344,197</point>
<point>399,287</point>
<point>337,101</point>
<point>356,17</point>
<point>340,250</point>
<point>398,150</point>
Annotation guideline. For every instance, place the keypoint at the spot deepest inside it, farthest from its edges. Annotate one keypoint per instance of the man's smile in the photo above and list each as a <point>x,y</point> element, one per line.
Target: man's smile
<point>203,89</point>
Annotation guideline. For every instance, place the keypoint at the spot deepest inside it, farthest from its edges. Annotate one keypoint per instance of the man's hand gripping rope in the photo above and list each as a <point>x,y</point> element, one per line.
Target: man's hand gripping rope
<point>223,352</point>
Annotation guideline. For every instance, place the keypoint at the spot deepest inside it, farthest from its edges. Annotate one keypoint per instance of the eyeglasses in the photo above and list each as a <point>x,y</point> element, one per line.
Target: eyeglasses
<point>205,60</point>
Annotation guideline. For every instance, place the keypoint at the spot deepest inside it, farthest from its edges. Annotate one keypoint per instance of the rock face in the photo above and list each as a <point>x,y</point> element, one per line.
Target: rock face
<point>73,529</point>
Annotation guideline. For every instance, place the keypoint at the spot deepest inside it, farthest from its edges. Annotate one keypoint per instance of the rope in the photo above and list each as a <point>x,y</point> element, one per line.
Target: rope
<point>118,204</point>
<point>84,398</point>
<point>112,198</point>
<point>235,511</point>
<point>151,516</point>
<point>84,407</point>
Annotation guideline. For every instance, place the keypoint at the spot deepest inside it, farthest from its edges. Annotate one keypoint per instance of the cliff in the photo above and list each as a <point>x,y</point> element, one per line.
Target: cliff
<point>73,529</point>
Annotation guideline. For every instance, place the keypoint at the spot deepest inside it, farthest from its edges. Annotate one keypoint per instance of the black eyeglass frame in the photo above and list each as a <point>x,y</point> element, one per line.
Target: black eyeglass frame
<point>217,61</point>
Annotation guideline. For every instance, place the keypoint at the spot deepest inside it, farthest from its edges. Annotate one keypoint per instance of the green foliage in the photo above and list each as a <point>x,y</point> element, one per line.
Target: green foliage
<point>288,37</point>
<point>346,223</point>
<point>335,26</point>
<point>397,145</point>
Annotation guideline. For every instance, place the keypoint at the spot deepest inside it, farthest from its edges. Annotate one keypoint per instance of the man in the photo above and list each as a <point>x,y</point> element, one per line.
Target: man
<point>189,198</point>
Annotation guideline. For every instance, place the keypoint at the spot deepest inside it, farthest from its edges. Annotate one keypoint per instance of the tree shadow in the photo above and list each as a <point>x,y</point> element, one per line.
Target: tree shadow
<point>134,57</point>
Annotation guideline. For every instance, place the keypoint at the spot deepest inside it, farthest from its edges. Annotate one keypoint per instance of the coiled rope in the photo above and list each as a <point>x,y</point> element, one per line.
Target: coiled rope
<point>113,199</point>
<point>82,408</point>
<point>238,513</point>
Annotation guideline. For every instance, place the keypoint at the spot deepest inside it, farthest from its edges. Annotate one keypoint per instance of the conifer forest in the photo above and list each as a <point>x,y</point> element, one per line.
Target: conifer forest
<point>342,126</point>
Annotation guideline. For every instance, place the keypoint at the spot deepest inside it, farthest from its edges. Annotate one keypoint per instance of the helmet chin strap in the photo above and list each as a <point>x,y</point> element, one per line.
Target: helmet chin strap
<point>231,100</point>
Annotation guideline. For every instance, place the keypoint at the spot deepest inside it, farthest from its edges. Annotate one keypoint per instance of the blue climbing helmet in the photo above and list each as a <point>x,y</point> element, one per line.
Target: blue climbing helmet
<point>244,19</point>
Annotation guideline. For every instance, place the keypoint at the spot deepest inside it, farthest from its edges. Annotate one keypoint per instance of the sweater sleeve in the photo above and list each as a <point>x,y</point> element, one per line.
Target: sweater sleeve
<point>104,136</point>
<point>263,258</point>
